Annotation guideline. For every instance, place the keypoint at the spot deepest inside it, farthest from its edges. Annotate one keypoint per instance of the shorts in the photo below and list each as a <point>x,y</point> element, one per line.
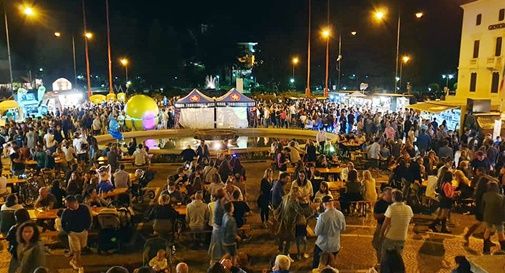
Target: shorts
<point>77,240</point>
<point>495,227</point>
<point>230,249</point>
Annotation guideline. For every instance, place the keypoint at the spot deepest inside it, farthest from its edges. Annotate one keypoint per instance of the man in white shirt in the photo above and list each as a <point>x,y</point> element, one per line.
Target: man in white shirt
<point>197,217</point>
<point>140,157</point>
<point>321,139</point>
<point>79,143</point>
<point>69,152</point>
<point>121,178</point>
<point>49,141</point>
<point>96,125</point>
<point>374,152</point>
<point>3,186</point>
<point>396,224</point>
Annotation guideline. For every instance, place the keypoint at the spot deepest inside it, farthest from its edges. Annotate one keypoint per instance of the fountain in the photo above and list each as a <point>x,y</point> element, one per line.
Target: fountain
<point>211,82</point>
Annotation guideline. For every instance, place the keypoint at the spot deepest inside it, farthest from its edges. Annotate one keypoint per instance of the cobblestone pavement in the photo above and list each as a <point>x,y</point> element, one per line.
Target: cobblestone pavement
<point>424,252</point>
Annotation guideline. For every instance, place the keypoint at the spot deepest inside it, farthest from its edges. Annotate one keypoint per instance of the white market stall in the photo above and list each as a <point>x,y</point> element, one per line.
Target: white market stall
<point>430,110</point>
<point>232,110</point>
<point>196,111</point>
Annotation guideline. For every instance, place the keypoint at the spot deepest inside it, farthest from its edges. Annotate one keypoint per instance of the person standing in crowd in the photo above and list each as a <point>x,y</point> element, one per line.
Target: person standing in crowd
<point>447,197</point>
<point>122,178</point>
<point>30,251</point>
<point>395,226</point>
<point>282,264</point>
<point>370,190</point>
<point>188,154</point>
<point>230,236</point>
<point>329,226</point>
<point>264,198</point>
<point>278,189</point>
<point>379,211</point>
<point>321,139</point>
<point>202,151</point>
<point>140,157</point>
<point>75,221</point>
<point>20,215</point>
<point>216,244</point>
<point>197,216</point>
<point>304,186</point>
<point>493,208</point>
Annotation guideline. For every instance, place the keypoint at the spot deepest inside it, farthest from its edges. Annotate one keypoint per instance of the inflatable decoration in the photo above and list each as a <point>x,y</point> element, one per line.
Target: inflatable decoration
<point>121,97</point>
<point>97,99</point>
<point>141,113</point>
<point>114,129</point>
<point>111,97</point>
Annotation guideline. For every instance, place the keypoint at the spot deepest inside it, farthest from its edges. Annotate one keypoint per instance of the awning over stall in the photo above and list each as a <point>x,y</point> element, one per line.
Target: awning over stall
<point>234,98</point>
<point>194,99</point>
<point>430,107</point>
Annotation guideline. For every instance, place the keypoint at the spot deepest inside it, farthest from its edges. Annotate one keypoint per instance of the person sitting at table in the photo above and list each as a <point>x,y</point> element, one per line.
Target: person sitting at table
<point>345,171</point>
<point>74,184</point>
<point>164,216</point>
<point>11,203</point>
<point>45,200</point>
<point>40,157</point>
<point>105,185</point>
<point>174,193</point>
<point>93,199</point>
<point>3,184</point>
<point>352,192</point>
<point>310,151</point>
<point>90,182</point>
<point>21,216</point>
<point>58,193</point>
<point>322,162</point>
<point>122,178</point>
<point>324,190</point>
<point>229,189</point>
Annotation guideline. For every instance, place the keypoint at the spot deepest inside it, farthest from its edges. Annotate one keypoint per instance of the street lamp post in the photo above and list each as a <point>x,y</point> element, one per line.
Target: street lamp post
<point>294,62</point>
<point>380,15</point>
<point>447,77</point>
<point>405,60</point>
<point>124,62</point>
<point>325,34</point>
<point>28,11</point>
<point>87,36</point>
<point>307,87</point>
<point>58,35</point>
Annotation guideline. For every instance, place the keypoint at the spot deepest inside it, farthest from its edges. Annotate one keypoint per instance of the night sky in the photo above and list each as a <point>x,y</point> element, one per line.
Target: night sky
<point>159,37</point>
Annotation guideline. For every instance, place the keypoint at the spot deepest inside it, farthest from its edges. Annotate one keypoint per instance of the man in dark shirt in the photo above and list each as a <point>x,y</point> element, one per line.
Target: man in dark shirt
<point>378,211</point>
<point>241,209</point>
<point>75,221</point>
<point>188,154</point>
<point>46,200</point>
<point>278,189</point>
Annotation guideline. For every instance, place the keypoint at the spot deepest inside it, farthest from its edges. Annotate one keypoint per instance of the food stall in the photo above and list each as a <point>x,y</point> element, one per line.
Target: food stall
<point>430,110</point>
<point>195,110</point>
<point>232,110</point>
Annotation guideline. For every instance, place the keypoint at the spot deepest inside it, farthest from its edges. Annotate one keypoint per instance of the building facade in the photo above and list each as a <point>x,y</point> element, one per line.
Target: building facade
<point>482,53</point>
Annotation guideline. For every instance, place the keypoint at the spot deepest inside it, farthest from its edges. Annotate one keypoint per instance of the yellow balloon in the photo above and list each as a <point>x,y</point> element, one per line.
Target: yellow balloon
<point>111,97</point>
<point>121,97</point>
<point>97,99</point>
<point>141,113</point>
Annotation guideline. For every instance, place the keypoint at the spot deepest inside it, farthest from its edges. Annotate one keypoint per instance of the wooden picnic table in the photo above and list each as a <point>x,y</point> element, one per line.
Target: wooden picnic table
<point>57,160</point>
<point>114,193</point>
<point>331,170</point>
<point>39,214</point>
<point>181,209</point>
<point>15,180</point>
<point>335,185</point>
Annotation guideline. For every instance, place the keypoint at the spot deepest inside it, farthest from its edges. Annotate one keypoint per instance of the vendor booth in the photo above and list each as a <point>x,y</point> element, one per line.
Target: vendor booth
<point>195,110</point>
<point>430,110</point>
<point>232,110</point>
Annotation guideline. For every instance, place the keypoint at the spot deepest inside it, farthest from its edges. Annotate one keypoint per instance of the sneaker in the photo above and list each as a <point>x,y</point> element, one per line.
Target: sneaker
<point>73,265</point>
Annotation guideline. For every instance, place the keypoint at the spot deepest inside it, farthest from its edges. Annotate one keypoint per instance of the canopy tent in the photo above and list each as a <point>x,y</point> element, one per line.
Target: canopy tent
<point>430,107</point>
<point>357,94</point>
<point>429,110</point>
<point>232,110</point>
<point>196,110</point>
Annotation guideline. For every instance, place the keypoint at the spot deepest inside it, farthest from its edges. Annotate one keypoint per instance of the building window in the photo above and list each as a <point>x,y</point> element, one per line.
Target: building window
<point>476,45</point>
<point>501,15</point>
<point>473,82</point>
<point>495,82</point>
<point>478,20</point>
<point>499,42</point>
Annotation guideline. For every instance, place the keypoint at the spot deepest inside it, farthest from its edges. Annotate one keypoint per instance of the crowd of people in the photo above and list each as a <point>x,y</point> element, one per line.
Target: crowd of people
<point>426,160</point>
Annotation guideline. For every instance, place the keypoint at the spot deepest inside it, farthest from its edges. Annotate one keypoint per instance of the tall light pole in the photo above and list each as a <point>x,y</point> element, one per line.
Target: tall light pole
<point>325,34</point>
<point>294,62</point>
<point>124,62</point>
<point>27,11</point>
<point>340,57</point>
<point>111,90</point>
<point>307,87</point>
<point>87,36</point>
<point>380,15</point>
<point>405,60</point>
<point>59,35</point>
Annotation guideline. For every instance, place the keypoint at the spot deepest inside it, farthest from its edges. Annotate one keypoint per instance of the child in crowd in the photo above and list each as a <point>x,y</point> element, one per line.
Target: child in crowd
<point>159,262</point>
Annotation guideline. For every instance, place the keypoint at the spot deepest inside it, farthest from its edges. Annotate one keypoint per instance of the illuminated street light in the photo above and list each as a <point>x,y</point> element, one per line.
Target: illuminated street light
<point>325,34</point>
<point>57,34</point>
<point>405,60</point>
<point>294,61</point>
<point>447,77</point>
<point>28,11</point>
<point>379,15</point>
<point>353,33</point>
<point>88,35</point>
<point>292,80</point>
<point>124,62</point>
<point>419,14</point>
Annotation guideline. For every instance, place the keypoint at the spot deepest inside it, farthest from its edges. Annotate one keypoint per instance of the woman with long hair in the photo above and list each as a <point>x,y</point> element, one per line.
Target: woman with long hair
<point>447,196</point>
<point>304,185</point>
<point>21,216</point>
<point>30,251</point>
<point>324,190</point>
<point>370,193</point>
<point>265,195</point>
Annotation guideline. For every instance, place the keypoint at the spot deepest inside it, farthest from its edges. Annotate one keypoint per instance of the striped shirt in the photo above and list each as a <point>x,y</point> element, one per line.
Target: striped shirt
<point>400,215</point>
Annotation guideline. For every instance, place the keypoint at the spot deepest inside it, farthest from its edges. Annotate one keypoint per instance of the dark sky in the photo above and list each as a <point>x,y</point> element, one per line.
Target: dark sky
<point>279,26</point>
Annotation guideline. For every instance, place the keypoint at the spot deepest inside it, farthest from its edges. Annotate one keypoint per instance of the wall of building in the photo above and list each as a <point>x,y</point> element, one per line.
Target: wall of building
<point>487,32</point>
